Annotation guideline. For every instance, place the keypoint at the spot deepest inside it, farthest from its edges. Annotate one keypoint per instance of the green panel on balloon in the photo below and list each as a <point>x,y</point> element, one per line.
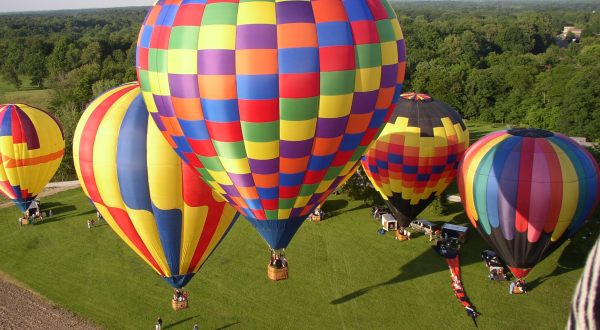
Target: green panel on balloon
<point>299,109</point>
<point>231,150</point>
<point>261,132</point>
<point>223,13</point>
<point>368,56</point>
<point>184,37</point>
<point>337,82</point>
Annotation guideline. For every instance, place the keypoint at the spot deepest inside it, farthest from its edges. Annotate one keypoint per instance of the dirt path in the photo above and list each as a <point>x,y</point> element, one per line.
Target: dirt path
<point>51,189</point>
<point>23,309</point>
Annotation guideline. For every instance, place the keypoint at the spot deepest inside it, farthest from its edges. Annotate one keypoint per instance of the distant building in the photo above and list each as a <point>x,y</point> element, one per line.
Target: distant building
<point>582,141</point>
<point>561,39</point>
<point>571,29</point>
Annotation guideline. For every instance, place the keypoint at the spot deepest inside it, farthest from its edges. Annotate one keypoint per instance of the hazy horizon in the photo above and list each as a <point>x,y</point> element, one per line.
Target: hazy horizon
<point>44,5</point>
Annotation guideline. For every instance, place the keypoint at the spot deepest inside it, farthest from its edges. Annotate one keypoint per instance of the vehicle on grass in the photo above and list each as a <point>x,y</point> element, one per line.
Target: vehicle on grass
<point>495,265</point>
<point>388,222</point>
<point>455,231</point>
<point>424,226</point>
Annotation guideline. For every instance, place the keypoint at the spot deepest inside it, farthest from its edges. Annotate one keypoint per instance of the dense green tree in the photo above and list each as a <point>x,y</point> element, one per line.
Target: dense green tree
<point>11,66</point>
<point>516,38</point>
<point>579,113</point>
<point>92,53</point>
<point>35,61</point>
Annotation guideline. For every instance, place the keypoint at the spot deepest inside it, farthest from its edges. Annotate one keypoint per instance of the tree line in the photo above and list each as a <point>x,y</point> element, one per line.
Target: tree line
<point>492,62</point>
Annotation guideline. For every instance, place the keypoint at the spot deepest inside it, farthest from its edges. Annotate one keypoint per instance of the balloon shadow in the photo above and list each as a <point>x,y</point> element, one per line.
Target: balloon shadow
<point>427,263</point>
<point>93,211</point>
<point>569,260</point>
<point>228,325</point>
<point>335,205</point>
<point>338,212</point>
<point>172,325</point>
<point>420,266</point>
<point>60,209</point>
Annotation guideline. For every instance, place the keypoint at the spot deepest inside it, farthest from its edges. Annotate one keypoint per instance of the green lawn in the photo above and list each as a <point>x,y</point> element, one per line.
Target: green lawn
<point>26,94</point>
<point>38,98</point>
<point>478,129</point>
<point>343,275</point>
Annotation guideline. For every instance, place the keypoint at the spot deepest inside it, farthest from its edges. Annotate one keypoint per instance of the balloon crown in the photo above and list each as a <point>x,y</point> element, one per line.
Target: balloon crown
<point>416,97</point>
<point>530,132</point>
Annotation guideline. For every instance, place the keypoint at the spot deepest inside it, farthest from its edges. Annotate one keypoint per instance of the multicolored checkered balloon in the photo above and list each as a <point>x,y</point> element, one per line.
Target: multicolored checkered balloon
<point>417,154</point>
<point>278,100</point>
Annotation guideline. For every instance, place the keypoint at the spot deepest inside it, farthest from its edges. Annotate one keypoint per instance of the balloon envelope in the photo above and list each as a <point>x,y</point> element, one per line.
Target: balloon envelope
<point>526,191</point>
<point>273,102</point>
<point>155,202</point>
<point>416,157</point>
<point>32,146</point>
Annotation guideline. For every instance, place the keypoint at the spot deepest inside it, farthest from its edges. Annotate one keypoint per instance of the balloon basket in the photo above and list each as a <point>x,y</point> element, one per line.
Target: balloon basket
<point>179,305</point>
<point>277,274</point>
<point>401,237</point>
<point>26,221</point>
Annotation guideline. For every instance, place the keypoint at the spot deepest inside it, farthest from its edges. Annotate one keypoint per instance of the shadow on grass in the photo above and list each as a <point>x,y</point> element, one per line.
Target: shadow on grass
<point>335,205</point>
<point>58,214</point>
<point>228,325</point>
<point>172,325</point>
<point>57,208</point>
<point>63,209</point>
<point>428,262</point>
<point>92,211</point>
<point>420,266</point>
<point>342,211</point>
<point>569,260</point>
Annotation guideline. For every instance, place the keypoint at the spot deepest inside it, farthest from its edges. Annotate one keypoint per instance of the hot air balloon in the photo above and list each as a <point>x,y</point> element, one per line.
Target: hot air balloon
<point>416,157</point>
<point>526,191</point>
<point>273,102</point>
<point>32,145</point>
<point>154,201</point>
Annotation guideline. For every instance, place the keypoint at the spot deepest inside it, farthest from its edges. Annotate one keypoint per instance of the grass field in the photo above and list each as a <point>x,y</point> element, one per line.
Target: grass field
<point>37,98</point>
<point>343,275</point>
<point>26,94</point>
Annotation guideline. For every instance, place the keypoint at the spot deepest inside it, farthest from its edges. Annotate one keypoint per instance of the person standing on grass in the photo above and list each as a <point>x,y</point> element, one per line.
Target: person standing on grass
<point>195,327</point>
<point>158,325</point>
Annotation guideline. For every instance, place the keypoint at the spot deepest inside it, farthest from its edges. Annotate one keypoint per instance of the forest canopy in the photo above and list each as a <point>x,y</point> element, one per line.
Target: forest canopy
<point>500,62</point>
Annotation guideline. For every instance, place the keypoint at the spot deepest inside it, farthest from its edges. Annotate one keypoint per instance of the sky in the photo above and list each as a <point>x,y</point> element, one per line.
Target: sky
<point>39,5</point>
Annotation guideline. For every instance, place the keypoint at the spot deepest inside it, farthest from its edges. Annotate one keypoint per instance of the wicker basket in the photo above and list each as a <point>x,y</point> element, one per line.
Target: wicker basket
<point>179,305</point>
<point>401,237</point>
<point>277,274</point>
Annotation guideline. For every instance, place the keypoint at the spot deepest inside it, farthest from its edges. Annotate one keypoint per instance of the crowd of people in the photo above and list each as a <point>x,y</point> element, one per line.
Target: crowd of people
<point>32,214</point>
<point>92,222</point>
<point>159,323</point>
<point>180,295</point>
<point>278,261</point>
<point>517,287</point>
<point>402,234</point>
<point>316,215</point>
<point>377,211</point>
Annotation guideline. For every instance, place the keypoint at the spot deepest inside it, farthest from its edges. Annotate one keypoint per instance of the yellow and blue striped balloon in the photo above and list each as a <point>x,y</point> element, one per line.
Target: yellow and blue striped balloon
<point>526,191</point>
<point>154,201</point>
<point>32,146</point>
